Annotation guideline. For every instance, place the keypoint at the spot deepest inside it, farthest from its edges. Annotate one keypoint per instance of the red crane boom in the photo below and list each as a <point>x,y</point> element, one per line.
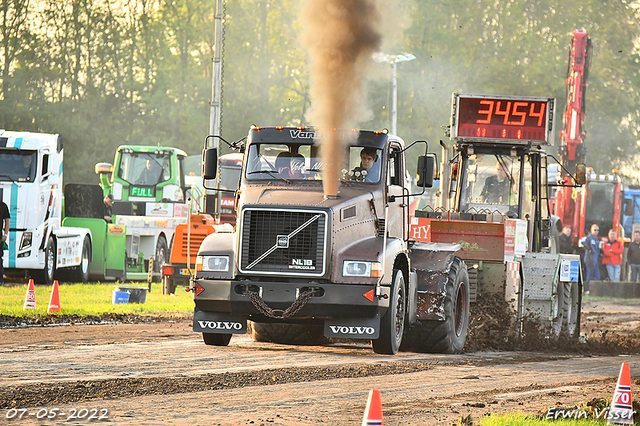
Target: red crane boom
<point>599,200</point>
<point>573,134</point>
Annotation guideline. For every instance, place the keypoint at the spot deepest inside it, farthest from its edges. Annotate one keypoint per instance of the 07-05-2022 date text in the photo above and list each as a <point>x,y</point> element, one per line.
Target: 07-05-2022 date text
<point>55,413</point>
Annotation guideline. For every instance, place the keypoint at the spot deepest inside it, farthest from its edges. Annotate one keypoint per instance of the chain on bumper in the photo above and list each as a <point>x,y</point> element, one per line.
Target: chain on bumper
<point>292,310</point>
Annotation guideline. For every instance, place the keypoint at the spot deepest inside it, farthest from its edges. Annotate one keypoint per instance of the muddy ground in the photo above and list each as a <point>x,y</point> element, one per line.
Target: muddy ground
<point>607,328</point>
<point>155,370</point>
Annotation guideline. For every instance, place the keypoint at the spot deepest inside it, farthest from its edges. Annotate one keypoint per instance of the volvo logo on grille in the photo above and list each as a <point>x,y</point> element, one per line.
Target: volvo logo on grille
<point>282,241</point>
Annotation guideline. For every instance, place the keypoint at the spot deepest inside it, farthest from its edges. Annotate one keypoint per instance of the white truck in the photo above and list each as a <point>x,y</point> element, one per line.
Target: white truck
<point>31,186</point>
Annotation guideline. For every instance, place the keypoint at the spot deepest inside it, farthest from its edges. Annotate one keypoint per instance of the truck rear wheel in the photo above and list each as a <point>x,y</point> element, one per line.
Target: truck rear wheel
<point>287,334</point>
<point>161,253</point>
<point>450,335</point>
<point>81,272</point>
<point>392,322</point>
<point>45,276</point>
<point>216,339</point>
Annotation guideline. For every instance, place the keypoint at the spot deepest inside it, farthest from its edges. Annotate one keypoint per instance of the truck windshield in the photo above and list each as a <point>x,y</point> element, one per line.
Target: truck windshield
<point>491,182</point>
<point>303,162</point>
<point>282,161</point>
<point>600,205</point>
<point>18,166</point>
<point>141,168</point>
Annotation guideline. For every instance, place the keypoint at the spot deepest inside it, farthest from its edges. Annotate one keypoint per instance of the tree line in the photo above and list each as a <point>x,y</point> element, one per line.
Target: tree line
<point>108,72</point>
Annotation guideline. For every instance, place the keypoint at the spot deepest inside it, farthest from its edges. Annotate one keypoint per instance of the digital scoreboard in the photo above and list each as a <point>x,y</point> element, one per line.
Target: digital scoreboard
<point>513,119</point>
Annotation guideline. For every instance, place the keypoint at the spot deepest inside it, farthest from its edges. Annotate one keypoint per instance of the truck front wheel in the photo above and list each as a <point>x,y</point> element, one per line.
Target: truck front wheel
<point>392,322</point>
<point>216,339</point>
<point>450,335</point>
<point>45,276</point>
<point>81,272</point>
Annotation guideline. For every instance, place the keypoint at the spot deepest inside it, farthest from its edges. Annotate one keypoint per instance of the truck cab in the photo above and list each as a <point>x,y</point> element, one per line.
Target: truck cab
<point>150,199</point>
<point>31,166</point>
<point>503,181</point>
<point>145,174</point>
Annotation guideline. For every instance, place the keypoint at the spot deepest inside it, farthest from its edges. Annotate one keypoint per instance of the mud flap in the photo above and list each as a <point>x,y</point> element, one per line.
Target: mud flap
<point>353,328</point>
<point>430,264</point>
<point>213,322</point>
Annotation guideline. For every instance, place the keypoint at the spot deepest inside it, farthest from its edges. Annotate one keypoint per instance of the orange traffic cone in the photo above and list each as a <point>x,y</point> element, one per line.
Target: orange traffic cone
<point>621,410</point>
<point>30,297</point>
<point>373,412</point>
<point>54,300</point>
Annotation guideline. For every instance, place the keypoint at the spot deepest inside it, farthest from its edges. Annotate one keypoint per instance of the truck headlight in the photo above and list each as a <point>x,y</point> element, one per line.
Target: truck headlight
<point>215,263</point>
<point>26,240</point>
<point>358,268</point>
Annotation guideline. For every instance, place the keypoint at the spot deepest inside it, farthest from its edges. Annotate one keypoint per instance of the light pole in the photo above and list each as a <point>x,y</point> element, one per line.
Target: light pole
<point>216,87</point>
<point>393,60</point>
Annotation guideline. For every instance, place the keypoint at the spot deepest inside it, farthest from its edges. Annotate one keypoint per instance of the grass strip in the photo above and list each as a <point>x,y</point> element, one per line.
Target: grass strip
<point>92,300</point>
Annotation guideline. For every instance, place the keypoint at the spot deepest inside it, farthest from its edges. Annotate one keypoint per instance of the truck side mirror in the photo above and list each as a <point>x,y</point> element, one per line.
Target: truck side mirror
<point>424,175</point>
<point>628,207</point>
<point>210,163</point>
<point>55,180</point>
<point>581,174</point>
<point>103,168</point>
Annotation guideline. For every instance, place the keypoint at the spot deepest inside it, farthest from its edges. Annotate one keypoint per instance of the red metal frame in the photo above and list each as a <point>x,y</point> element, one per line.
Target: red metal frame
<point>573,134</point>
<point>570,204</point>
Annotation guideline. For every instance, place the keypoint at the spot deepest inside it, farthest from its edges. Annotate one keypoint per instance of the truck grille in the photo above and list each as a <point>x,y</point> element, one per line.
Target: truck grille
<point>281,241</point>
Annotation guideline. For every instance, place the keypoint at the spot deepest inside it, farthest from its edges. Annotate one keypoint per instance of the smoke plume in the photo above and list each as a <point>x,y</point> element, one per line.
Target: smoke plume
<point>339,36</point>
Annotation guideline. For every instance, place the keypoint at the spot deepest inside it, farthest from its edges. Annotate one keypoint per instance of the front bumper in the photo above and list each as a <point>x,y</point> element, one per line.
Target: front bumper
<point>329,301</point>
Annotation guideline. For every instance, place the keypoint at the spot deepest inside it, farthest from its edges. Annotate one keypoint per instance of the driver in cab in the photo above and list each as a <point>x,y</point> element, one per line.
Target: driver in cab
<point>366,171</point>
<point>291,165</point>
<point>497,187</point>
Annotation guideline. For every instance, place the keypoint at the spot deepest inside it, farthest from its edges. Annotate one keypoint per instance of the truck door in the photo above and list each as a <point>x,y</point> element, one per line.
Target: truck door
<point>84,208</point>
<point>539,217</point>
<point>395,189</point>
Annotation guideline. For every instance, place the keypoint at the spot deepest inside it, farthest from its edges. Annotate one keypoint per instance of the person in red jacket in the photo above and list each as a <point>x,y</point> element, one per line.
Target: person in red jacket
<point>612,255</point>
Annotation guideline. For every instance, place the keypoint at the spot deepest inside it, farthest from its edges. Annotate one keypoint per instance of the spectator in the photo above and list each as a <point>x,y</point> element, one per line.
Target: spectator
<point>4,228</point>
<point>108,202</point>
<point>591,245</point>
<point>633,257</point>
<point>612,255</point>
<point>565,241</point>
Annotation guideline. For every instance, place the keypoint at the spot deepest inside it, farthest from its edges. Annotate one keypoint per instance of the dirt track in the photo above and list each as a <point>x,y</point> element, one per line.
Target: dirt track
<point>146,374</point>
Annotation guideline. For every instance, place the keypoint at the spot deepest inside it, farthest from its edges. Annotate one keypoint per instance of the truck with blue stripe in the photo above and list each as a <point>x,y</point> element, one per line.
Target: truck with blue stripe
<point>31,166</point>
